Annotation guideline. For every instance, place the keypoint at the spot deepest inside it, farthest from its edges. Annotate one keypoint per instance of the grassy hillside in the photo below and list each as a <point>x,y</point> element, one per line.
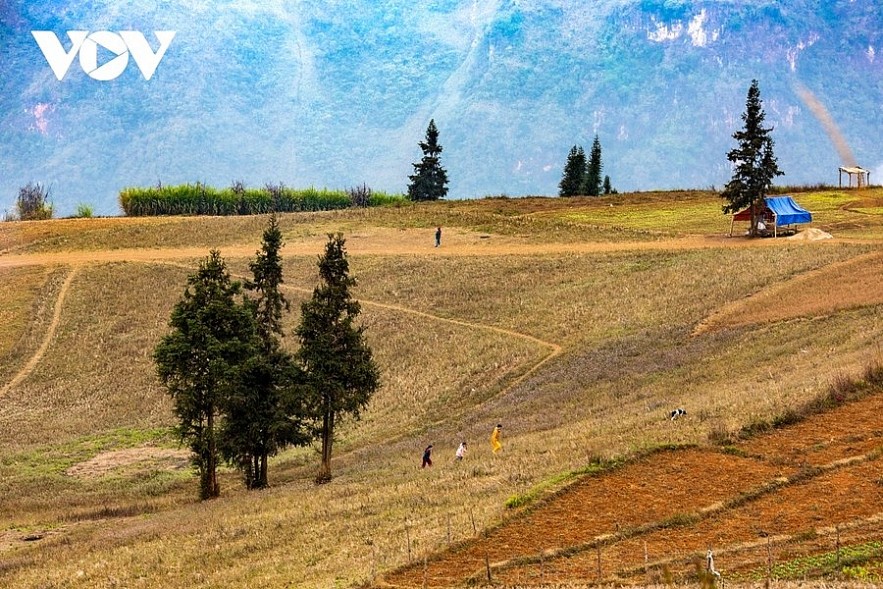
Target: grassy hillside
<point>573,322</point>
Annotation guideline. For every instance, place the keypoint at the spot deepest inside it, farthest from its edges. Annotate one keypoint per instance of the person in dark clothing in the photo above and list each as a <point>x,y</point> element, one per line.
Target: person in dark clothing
<point>427,457</point>
<point>437,236</point>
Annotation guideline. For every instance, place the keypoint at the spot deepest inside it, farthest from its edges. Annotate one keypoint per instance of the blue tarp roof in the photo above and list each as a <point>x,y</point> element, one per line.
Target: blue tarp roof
<point>787,211</point>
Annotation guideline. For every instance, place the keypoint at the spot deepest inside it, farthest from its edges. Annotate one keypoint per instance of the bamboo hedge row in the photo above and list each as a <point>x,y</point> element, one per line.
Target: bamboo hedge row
<point>199,199</point>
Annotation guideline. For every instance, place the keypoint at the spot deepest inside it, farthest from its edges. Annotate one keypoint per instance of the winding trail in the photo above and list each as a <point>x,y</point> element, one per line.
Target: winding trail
<point>47,339</point>
<point>554,349</point>
<point>357,246</point>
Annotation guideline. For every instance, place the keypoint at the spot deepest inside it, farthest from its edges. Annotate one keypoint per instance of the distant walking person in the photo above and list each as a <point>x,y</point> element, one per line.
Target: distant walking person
<point>437,236</point>
<point>461,450</point>
<point>427,457</point>
<point>496,444</point>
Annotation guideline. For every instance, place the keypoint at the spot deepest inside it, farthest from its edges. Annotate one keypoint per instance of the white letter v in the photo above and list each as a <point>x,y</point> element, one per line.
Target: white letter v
<point>139,48</point>
<point>59,59</point>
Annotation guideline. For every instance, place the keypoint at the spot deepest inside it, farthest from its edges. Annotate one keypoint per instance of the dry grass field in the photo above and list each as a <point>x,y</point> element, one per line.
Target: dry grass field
<point>577,323</point>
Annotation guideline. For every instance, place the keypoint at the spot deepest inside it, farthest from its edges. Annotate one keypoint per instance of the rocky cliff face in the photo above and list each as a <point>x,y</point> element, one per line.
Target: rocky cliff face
<point>336,93</point>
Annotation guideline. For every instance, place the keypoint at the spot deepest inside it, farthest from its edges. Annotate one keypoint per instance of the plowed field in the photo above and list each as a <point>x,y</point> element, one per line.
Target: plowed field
<point>801,490</point>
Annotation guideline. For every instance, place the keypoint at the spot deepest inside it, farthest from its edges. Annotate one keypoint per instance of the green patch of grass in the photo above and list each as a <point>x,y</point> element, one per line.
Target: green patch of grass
<point>53,460</point>
<point>596,466</point>
<point>826,565</point>
<point>556,482</point>
<point>84,211</point>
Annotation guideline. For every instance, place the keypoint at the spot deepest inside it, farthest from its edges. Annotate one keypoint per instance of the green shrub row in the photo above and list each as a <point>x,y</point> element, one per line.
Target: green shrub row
<point>199,199</point>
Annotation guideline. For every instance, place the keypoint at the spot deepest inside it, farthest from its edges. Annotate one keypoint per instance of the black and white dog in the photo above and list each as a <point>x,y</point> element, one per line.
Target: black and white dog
<point>677,413</point>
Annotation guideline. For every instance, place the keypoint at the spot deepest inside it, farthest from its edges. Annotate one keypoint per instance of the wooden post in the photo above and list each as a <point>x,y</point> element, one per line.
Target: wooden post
<point>769,561</point>
<point>408,536</point>
<point>487,565</point>
<point>599,565</point>
<point>837,534</point>
<point>472,517</point>
<point>646,562</point>
<point>449,529</point>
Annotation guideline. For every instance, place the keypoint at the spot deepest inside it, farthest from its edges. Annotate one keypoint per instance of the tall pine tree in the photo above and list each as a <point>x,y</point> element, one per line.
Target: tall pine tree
<point>574,170</point>
<point>213,336</point>
<point>263,413</point>
<point>592,185</point>
<point>266,271</point>
<point>338,363</point>
<point>754,164</point>
<point>430,180</point>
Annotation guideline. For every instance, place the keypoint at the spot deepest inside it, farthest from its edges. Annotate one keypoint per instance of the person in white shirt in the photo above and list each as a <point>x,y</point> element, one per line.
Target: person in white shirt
<point>461,450</point>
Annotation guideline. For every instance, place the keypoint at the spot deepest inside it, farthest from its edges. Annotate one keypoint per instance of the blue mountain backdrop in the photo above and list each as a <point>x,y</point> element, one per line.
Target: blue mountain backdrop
<point>337,93</point>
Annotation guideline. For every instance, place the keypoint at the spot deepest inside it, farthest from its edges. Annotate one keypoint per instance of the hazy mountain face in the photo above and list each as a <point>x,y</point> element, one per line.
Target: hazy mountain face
<point>338,93</point>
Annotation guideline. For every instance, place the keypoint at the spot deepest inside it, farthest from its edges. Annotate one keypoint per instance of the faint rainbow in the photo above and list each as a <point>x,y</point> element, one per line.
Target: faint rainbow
<point>824,117</point>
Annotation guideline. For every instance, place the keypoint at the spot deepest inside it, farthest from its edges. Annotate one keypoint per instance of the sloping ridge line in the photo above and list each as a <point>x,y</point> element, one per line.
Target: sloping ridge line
<point>711,322</point>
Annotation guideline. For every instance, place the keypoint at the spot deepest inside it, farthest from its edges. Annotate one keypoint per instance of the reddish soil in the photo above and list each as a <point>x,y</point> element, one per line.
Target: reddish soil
<point>654,518</point>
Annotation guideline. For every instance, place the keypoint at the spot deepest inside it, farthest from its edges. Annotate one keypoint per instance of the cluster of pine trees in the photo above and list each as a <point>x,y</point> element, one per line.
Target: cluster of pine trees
<point>238,394</point>
<point>582,176</point>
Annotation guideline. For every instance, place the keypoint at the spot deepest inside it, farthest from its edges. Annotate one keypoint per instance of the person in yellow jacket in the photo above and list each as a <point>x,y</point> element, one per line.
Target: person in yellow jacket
<point>496,445</point>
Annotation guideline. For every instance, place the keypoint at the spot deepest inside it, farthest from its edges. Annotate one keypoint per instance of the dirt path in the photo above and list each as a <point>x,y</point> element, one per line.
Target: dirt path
<point>50,333</point>
<point>407,244</point>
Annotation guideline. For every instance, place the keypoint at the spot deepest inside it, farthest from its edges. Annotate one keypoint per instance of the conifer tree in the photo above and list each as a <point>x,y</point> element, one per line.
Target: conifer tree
<point>338,364</point>
<point>608,188</point>
<point>574,171</point>
<point>266,270</point>
<point>754,164</point>
<point>430,179</point>
<point>264,412</point>
<point>199,362</point>
<point>592,185</point>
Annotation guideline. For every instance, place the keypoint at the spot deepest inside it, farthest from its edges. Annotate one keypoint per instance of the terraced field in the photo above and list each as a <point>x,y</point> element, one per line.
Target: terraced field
<point>799,491</point>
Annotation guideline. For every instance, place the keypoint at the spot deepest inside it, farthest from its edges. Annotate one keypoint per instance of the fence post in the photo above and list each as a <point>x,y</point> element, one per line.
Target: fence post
<point>599,565</point>
<point>837,533</point>
<point>646,563</point>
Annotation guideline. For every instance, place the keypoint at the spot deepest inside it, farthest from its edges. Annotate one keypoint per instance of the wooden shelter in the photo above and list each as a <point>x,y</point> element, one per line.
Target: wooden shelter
<point>779,214</point>
<point>862,176</point>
